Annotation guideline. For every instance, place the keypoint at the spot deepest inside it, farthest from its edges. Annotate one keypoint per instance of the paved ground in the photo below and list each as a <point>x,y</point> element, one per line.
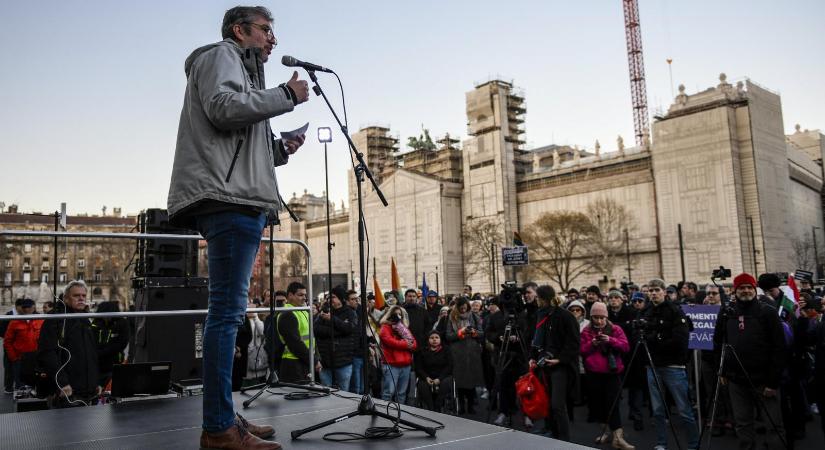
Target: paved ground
<point>584,433</point>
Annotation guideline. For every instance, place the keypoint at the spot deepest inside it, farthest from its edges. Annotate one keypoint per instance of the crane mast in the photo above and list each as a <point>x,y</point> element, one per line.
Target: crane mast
<point>636,67</point>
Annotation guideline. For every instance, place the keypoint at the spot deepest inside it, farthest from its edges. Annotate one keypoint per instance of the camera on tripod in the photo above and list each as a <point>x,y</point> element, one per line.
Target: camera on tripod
<point>721,273</point>
<point>639,324</point>
<point>511,298</point>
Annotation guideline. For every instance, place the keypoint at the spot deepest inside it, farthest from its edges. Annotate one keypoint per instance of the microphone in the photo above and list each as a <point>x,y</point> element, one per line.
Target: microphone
<point>289,61</point>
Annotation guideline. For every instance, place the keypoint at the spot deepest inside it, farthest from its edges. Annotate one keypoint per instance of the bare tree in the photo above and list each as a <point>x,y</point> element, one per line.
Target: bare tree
<point>607,246</point>
<point>481,238</point>
<point>558,245</point>
<point>803,253</point>
<point>294,264</point>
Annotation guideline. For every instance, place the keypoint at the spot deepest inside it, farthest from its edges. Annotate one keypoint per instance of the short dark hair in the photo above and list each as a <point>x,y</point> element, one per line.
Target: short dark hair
<point>468,286</point>
<point>410,290</point>
<point>352,291</point>
<point>294,287</point>
<point>243,15</point>
<point>530,284</point>
<point>281,293</point>
<point>546,292</point>
<point>339,293</point>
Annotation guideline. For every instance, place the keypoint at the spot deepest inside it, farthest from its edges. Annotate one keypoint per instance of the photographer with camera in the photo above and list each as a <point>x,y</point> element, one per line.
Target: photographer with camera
<point>602,345</point>
<point>504,329</point>
<point>336,333</point>
<point>666,332</point>
<point>556,350</point>
<point>753,331</point>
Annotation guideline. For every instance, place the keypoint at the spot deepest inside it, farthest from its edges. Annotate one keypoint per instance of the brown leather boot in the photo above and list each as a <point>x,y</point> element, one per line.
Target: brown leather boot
<point>236,438</point>
<point>261,431</point>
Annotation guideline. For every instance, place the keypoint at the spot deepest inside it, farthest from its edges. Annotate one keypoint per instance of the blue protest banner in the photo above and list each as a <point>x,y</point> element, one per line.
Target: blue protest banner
<point>704,322</point>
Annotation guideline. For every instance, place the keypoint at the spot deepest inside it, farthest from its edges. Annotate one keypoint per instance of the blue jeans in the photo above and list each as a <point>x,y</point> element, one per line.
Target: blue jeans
<point>357,383</point>
<point>674,380</point>
<point>232,241</point>
<point>342,376</point>
<point>395,382</point>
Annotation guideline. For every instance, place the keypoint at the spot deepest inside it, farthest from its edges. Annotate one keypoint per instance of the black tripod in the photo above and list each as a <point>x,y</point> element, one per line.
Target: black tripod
<point>725,311</point>
<point>505,359</point>
<point>642,343</point>
<point>366,407</point>
<point>272,380</point>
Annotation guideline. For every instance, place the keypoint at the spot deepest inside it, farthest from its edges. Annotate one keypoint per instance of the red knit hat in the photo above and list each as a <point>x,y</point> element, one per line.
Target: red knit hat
<point>744,278</point>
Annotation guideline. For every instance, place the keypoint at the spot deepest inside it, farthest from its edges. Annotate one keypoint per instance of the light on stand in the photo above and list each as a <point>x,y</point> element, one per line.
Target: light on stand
<point>324,134</point>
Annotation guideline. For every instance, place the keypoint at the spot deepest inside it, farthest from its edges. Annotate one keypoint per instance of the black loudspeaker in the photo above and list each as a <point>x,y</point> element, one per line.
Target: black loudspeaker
<point>164,257</point>
<point>172,338</point>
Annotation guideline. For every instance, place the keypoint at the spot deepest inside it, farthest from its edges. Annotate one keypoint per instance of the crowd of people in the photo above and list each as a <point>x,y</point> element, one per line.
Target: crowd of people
<point>445,353</point>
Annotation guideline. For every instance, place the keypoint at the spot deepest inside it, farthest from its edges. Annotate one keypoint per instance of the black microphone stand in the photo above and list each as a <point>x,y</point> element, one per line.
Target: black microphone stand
<point>366,407</point>
<point>272,380</point>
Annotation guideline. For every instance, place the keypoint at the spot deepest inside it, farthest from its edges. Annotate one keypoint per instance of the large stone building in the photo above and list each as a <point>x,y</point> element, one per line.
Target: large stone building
<point>28,263</point>
<point>716,183</point>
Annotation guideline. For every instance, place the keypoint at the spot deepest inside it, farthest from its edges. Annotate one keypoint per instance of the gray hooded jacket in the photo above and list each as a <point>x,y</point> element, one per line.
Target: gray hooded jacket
<point>224,124</point>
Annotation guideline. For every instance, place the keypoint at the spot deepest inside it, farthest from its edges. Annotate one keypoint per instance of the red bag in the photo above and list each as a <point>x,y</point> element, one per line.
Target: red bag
<point>533,397</point>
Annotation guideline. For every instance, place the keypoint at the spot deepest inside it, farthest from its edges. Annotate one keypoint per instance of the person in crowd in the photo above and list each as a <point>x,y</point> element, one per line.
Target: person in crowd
<point>241,356</point>
<point>476,306</point>
<point>75,369</point>
<point>433,307</point>
<point>441,324</point>
<point>112,337</point>
<point>636,371</point>
<point>465,336</point>
<point>509,365</point>
<point>687,293</point>
<point>398,345</point>
<point>20,340</point>
<point>556,342</point>
<point>468,291</point>
<point>672,294</point>
<point>420,326</point>
<point>709,370</point>
<point>434,368</point>
<point>356,384</point>
<point>336,331</point>
<point>667,336</point>
<point>814,326</point>
<point>572,294</point>
<point>531,308</point>
<point>769,283</point>
<point>602,346</point>
<point>592,295</point>
<point>755,334</point>
<point>8,373</point>
<point>577,309</point>
<point>618,312</point>
<point>257,356</point>
<point>47,307</point>
<point>293,333</point>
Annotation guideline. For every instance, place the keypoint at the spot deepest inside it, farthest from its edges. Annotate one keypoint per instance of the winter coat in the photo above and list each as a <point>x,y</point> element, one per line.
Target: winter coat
<point>465,351</point>
<point>397,350</point>
<point>667,334</point>
<point>756,333</point>
<point>595,356</point>
<point>494,329</point>
<point>419,321</point>
<point>557,332</point>
<point>435,365</point>
<point>337,345</point>
<point>224,123</point>
<point>112,339</point>
<point>21,338</point>
<point>242,340</point>
<point>81,371</point>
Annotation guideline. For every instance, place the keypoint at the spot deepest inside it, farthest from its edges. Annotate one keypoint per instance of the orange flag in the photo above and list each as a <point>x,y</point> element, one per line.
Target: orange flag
<point>396,281</point>
<point>379,296</point>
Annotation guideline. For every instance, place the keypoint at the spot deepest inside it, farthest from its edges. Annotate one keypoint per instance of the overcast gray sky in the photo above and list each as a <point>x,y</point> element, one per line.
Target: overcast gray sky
<point>92,90</point>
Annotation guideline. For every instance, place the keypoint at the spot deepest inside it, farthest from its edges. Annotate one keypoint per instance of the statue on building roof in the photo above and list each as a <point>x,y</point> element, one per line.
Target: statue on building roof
<point>598,149</point>
<point>646,139</point>
<point>620,144</point>
<point>556,159</point>
<point>577,156</point>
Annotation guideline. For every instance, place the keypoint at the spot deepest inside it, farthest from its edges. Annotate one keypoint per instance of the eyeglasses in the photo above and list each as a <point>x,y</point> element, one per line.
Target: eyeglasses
<point>711,293</point>
<point>270,33</point>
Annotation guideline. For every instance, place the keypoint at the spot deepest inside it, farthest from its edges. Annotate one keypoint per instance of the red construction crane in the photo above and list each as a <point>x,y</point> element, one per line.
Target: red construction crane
<point>636,67</point>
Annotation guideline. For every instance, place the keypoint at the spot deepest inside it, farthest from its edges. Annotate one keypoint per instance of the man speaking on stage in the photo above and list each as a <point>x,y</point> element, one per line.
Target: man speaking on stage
<point>223,185</point>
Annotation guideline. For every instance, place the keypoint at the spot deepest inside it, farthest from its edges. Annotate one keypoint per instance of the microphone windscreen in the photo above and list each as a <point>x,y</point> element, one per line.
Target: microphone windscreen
<point>289,61</point>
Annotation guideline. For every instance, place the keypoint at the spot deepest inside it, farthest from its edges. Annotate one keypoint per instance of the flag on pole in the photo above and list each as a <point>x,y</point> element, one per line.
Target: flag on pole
<point>396,281</point>
<point>379,296</point>
<point>424,288</point>
<point>790,296</point>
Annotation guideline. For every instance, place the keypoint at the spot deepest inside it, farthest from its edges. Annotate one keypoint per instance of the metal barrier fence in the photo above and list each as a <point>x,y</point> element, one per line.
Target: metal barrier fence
<point>182,312</point>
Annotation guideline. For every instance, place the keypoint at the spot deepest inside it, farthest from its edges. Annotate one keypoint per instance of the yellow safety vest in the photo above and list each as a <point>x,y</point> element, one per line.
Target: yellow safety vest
<point>303,330</point>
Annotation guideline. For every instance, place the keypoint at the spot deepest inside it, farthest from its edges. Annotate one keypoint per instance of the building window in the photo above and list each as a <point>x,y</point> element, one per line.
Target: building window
<point>63,277</point>
<point>44,277</point>
<point>27,278</point>
<point>98,277</point>
<point>27,263</point>
<point>81,276</point>
<point>27,248</point>
<point>45,248</point>
<point>7,279</point>
<point>44,265</point>
<point>81,263</point>
<point>64,262</point>
<point>9,263</point>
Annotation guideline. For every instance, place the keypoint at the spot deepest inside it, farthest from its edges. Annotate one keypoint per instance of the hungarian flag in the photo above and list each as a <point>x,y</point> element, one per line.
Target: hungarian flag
<point>396,281</point>
<point>424,288</point>
<point>790,295</point>
<point>379,296</point>
<point>517,239</point>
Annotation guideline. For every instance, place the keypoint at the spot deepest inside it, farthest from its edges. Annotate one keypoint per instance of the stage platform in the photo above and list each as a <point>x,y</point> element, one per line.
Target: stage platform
<point>176,423</point>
